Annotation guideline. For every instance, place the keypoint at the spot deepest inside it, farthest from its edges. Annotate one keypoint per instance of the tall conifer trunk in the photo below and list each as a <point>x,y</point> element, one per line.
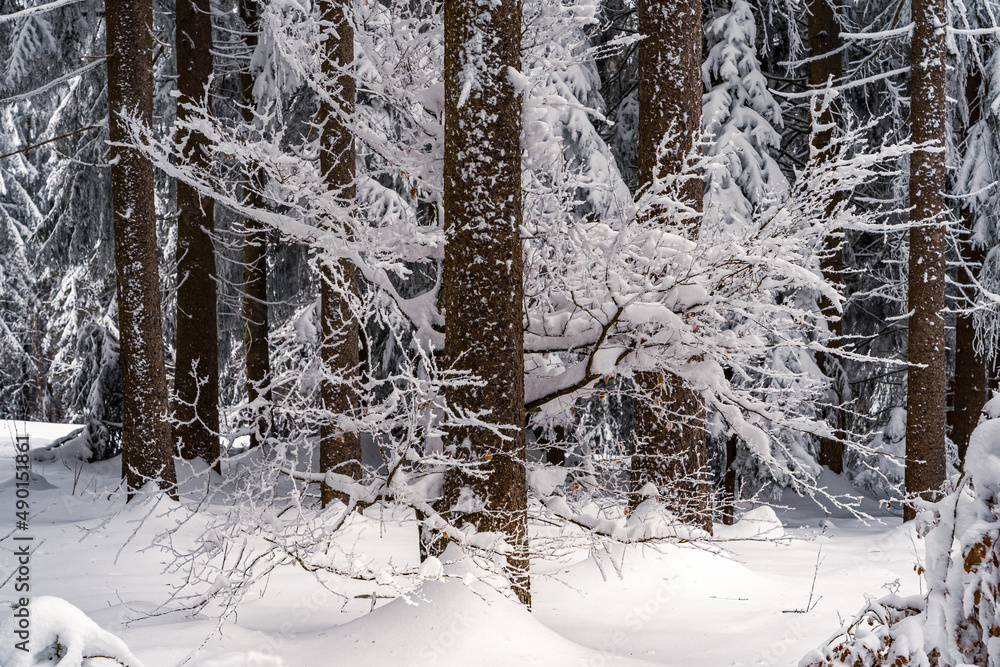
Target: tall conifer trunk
<point>824,39</point>
<point>925,400</point>
<point>146,450</point>
<point>970,366</point>
<point>670,447</point>
<point>340,450</point>
<point>483,282</point>
<point>255,310</point>
<point>196,371</point>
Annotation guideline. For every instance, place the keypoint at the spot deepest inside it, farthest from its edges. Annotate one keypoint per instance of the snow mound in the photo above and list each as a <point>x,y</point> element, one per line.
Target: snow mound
<point>759,523</point>
<point>447,624</point>
<point>992,408</point>
<point>982,460</point>
<point>431,568</point>
<point>36,482</point>
<point>57,634</point>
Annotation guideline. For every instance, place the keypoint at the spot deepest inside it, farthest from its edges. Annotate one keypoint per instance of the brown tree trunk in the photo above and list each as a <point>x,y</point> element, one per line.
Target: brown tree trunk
<point>339,450</point>
<point>970,367</point>
<point>669,429</point>
<point>824,38</point>
<point>258,359</point>
<point>729,482</point>
<point>925,400</point>
<point>555,455</point>
<point>146,450</point>
<point>196,371</point>
<point>482,287</point>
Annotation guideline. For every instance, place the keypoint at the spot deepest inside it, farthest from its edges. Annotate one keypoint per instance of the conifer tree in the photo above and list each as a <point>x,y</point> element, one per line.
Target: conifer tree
<point>743,182</point>
<point>970,381</point>
<point>146,450</point>
<point>255,307</point>
<point>826,68</point>
<point>196,369</point>
<point>670,448</point>
<point>340,448</point>
<point>482,286</point>
<point>925,400</point>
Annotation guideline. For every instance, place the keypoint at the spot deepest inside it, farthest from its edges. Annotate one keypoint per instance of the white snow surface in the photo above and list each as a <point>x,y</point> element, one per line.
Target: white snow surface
<point>711,605</point>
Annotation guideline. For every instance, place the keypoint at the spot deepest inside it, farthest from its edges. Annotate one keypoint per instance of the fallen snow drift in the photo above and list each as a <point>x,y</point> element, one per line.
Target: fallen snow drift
<point>450,625</point>
<point>699,604</point>
<point>760,523</point>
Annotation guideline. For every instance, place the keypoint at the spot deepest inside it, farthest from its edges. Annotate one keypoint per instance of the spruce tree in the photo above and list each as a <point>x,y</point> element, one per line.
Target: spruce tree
<point>482,286</point>
<point>670,450</point>
<point>146,450</point>
<point>743,181</point>
<point>196,369</point>
<point>970,361</point>
<point>340,449</point>
<point>826,68</point>
<point>925,400</point>
<point>255,305</point>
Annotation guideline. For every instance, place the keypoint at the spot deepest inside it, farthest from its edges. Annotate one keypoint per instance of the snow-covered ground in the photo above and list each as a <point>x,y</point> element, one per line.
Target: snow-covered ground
<point>678,605</point>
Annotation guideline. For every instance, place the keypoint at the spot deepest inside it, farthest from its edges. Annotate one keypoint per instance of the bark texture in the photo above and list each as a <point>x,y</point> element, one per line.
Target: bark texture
<point>925,400</point>
<point>146,450</point>
<point>255,310</point>
<point>669,430</point>
<point>970,366</point>
<point>340,450</point>
<point>482,287</point>
<point>824,40</point>
<point>729,482</point>
<point>196,371</point>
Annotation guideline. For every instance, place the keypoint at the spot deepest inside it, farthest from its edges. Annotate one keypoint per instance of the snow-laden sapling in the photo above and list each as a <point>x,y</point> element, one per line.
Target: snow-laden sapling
<point>958,622</point>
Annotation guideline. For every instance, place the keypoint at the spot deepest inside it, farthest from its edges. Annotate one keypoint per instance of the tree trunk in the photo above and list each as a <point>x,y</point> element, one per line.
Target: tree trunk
<point>258,359</point>
<point>925,400</point>
<point>729,482</point>
<point>669,430</point>
<point>970,367</point>
<point>339,450</point>
<point>482,287</point>
<point>824,38</point>
<point>555,454</point>
<point>146,450</point>
<point>196,371</point>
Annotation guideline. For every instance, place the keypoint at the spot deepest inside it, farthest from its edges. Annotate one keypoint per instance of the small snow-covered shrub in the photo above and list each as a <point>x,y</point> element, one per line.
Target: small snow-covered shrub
<point>887,632</point>
<point>963,558</point>
<point>60,635</point>
<point>70,447</point>
<point>958,623</point>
